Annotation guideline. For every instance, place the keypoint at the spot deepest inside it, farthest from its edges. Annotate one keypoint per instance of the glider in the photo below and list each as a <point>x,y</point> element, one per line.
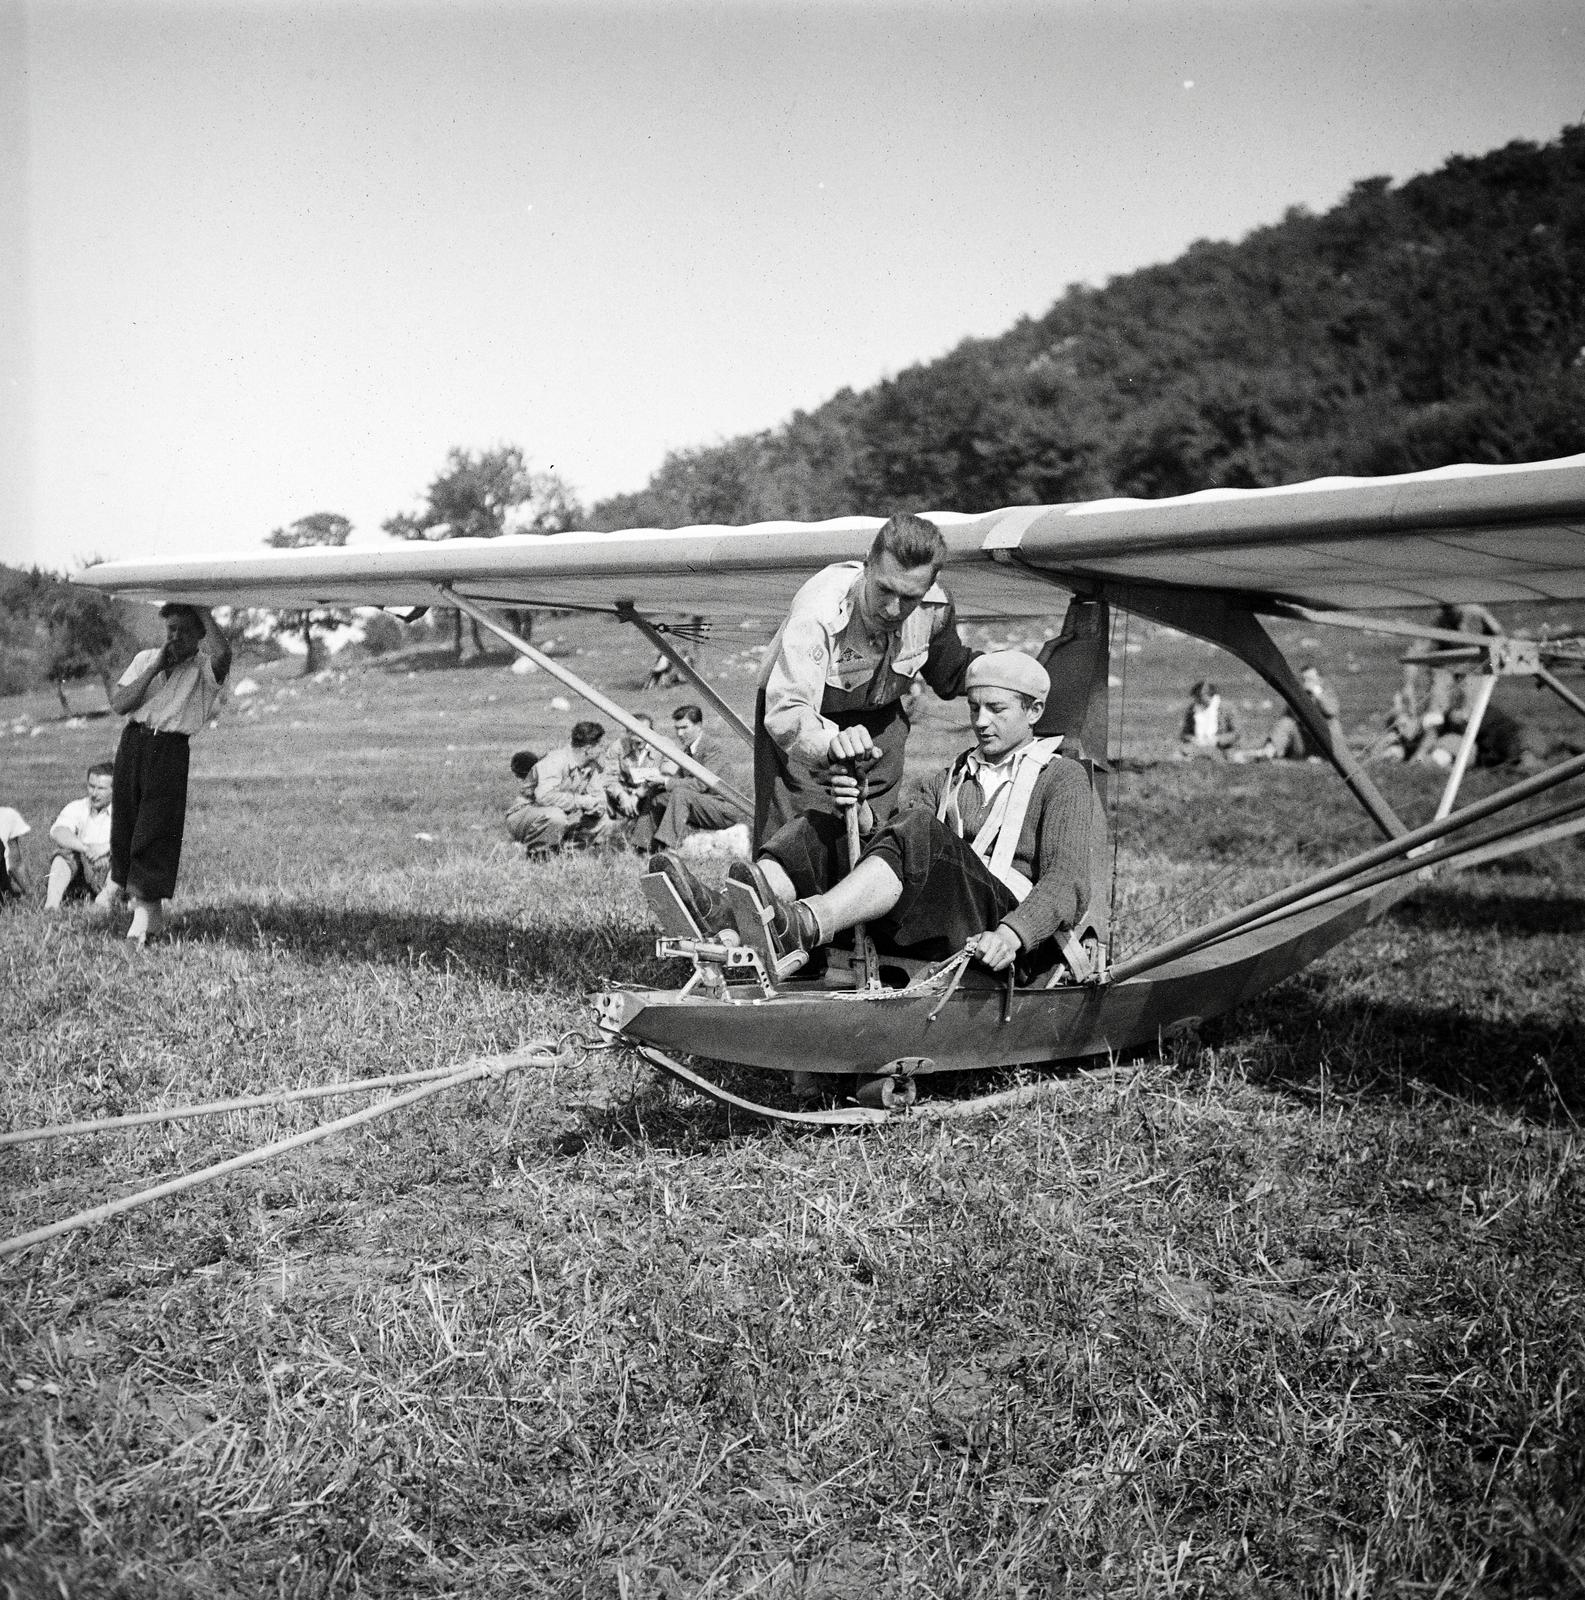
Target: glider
<point>1214,564</point>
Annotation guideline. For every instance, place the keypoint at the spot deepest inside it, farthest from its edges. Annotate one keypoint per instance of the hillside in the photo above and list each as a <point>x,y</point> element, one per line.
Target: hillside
<point>1439,320</point>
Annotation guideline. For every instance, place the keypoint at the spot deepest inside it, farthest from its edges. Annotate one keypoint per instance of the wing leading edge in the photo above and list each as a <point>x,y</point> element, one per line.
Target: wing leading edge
<point>1459,534</point>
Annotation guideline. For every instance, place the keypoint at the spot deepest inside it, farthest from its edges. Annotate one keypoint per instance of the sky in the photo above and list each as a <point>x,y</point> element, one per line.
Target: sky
<point>267,259</point>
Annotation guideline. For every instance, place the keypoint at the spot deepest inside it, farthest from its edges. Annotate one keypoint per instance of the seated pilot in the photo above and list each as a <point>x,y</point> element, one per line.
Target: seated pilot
<point>995,859</point>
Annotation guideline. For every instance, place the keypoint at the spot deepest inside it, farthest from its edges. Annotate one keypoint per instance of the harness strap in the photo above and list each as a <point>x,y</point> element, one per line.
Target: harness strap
<point>996,843</point>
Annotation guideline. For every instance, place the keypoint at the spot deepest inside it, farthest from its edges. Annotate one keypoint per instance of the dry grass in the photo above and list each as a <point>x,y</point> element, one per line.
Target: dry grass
<point>1298,1308</point>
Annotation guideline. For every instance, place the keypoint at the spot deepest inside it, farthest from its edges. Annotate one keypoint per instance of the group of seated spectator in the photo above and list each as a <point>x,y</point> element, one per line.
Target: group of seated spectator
<point>1208,727</point>
<point>587,794</point>
<point>80,864</point>
<point>1433,708</point>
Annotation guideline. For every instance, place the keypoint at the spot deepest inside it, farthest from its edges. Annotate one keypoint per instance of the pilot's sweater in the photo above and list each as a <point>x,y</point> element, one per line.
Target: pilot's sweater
<point>1054,846</point>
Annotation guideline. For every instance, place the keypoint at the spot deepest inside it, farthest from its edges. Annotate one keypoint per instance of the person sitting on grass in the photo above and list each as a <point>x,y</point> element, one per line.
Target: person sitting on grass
<point>571,801</point>
<point>1208,727</point>
<point>680,802</point>
<point>81,836</point>
<point>13,873</point>
<point>1288,739</point>
<point>635,767</point>
<point>995,859</point>
<point>1401,727</point>
<point>519,815</point>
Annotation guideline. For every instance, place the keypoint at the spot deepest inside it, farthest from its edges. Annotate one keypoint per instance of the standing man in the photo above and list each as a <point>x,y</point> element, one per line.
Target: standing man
<point>838,675</point>
<point>681,802</point>
<point>167,695</point>
<point>81,836</point>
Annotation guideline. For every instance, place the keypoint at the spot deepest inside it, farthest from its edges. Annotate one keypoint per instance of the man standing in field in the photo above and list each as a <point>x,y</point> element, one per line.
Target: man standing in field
<point>81,836</point>
<point>167,695</point>
<point>681,802</point>
<point>835,686</point>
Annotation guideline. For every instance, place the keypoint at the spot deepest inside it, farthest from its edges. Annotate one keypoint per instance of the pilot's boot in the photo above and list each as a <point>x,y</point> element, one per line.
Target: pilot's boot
<point>705,905</point>
<point>790,925</point>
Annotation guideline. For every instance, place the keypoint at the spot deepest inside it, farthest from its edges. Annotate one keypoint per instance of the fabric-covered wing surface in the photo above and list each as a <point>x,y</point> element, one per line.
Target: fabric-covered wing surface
<point>1457,534</point>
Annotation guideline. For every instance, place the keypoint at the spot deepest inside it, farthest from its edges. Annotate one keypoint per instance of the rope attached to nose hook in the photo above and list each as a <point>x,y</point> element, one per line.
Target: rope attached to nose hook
<point>535,1053</point>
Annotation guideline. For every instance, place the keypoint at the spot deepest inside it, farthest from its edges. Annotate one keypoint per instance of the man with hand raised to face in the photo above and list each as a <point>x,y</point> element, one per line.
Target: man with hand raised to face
<point>995,859</point>
<point>836,681</point>
<point>167,695</point>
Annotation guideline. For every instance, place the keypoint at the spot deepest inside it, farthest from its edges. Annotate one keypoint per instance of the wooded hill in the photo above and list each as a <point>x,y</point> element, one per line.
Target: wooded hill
<point>1440,320</point>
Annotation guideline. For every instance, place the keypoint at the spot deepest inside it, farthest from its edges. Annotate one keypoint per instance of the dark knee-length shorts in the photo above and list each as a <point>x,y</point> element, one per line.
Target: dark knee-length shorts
<point>149,811</point>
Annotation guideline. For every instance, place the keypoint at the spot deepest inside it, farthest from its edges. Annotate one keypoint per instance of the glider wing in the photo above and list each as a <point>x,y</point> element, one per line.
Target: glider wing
<point>1459,534</point>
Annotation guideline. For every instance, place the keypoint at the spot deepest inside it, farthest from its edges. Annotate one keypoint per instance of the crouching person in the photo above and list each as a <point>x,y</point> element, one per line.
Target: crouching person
<point>570,804</point>
<point>81,836</point>
<point>995,860</point>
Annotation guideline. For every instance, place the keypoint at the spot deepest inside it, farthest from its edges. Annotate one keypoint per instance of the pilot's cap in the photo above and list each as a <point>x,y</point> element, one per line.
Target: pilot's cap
<point>1009,669</point>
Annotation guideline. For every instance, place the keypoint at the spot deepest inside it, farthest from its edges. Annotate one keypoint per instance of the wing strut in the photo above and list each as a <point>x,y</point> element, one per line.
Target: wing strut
<point>655,741</point>
<point>1350,871</point>
<point>1466,745</point>
<point>625,612</point>
<point>1228,621</point>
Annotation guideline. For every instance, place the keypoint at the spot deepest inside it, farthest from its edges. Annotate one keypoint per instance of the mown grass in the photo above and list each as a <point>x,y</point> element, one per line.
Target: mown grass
<point>1297,1307</point>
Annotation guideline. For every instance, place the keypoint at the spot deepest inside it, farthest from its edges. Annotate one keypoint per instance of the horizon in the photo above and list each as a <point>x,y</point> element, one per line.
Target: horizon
<point>279,260</point>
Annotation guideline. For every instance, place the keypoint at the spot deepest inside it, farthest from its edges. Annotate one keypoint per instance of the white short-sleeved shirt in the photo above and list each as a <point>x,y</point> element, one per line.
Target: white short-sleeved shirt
<point>12,826</point>
<point>92,827</point>
<point>180,701</point>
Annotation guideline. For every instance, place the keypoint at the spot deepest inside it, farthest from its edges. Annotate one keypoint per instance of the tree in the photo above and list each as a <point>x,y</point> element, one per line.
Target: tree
<point>318,528</point>
<point>87,631</point>
<point>482,496</point>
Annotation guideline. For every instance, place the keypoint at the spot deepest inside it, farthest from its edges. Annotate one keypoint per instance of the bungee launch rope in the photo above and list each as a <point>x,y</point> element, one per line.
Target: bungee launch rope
<point>537,1053</point>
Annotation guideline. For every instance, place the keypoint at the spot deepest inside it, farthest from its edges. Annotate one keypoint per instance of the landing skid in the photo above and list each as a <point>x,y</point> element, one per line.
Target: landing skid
<point>839,1117</point>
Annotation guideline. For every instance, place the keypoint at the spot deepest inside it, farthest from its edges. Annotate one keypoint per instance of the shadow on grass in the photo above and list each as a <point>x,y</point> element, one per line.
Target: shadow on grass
<point>664,1115</point>
<point>1447,907</point>
<point>1529,1064</point>
<point>492,949</point>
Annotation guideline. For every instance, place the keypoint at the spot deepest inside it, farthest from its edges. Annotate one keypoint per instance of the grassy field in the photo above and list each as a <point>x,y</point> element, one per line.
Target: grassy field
<point>1297,1307</point>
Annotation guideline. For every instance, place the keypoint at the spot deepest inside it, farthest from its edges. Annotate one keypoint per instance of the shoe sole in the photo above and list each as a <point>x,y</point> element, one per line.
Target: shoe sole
<point>671,910</point>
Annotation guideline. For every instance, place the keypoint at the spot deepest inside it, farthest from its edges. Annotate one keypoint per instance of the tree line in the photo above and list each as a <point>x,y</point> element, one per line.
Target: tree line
<point>1411,326</point>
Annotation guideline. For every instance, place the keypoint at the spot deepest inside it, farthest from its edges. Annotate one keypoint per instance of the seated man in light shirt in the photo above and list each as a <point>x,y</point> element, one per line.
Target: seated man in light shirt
<point>167,695</point>
<point>81,836</point>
